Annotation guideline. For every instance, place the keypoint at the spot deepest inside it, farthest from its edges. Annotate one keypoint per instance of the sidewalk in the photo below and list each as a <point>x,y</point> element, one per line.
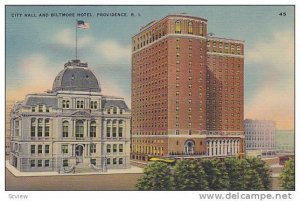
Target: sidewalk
<point>17,173</point>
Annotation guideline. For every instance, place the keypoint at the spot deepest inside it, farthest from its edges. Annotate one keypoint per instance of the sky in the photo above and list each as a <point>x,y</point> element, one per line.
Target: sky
<point>37,48</point>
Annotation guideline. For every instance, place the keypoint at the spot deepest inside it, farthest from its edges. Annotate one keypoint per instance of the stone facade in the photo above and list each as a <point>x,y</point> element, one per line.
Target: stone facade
<point>73,127</point>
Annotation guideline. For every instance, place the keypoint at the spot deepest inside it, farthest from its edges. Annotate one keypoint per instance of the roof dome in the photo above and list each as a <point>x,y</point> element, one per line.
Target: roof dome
<point>76,77</point>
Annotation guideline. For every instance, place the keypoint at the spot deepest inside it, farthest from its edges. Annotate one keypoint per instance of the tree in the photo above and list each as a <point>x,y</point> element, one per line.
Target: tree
<point>287,175</point>
<point>233,169</point>
<point>251,179</point>
<point>263,171</point>
<point>216,174</point>
<point>157,177</point>
<point>189,175</point>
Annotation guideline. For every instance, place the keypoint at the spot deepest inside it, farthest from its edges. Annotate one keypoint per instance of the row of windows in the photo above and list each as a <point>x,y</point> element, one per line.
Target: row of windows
<point>40,127</point>
<point>152,150</point>
<point>39,149</point>
<point>178,27</point>
<point>114,148</point>
<point>39,163</point>
<point>79,104</point>
<point>112,131</point>
<point>40,108</point>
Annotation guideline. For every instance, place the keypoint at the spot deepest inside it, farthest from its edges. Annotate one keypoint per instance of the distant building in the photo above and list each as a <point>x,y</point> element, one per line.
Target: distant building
<point>71,127</point>
<point>260,135</point>
<point>285,141</point>
<point>187,91</point>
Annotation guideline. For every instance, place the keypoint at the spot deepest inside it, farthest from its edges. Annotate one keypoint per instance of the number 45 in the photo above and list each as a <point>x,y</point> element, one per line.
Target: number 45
<point>282,14</point>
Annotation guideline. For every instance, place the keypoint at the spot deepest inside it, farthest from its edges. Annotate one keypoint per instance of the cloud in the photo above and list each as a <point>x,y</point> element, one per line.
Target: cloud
<point>277,54</point>
<point>113,51</point>
<point>110,88</point>
<point>66,38</point>
<point>273,96</point>
<point>37,74</point>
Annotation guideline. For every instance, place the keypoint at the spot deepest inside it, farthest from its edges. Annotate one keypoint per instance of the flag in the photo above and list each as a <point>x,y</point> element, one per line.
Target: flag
<point>82,25</point>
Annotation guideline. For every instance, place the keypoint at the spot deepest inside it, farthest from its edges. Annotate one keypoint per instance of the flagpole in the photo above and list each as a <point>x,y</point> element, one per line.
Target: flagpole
<point>76,40</point>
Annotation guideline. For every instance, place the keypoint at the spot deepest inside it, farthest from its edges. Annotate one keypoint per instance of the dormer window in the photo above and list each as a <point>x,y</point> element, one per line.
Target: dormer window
<point>40,108</point>
<point>114,110</point>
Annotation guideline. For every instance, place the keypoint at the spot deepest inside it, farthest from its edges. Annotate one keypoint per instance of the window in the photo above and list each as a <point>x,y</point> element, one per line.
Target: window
<point>108,161</point>
<point>115,148</point>
<point>114,110</point>
<point>47,163</point>
<point>93,148</point>
<point>177,27</point>
<point>93,161</point>
<point>64,149</point>
<point>94,104</point>
<point>65,129</point>
<point>114,132</point>
<point>120,132</point>
<point>40,149</point>
<point>65,163</point>
<point>120,148</point>
<point>66,104</point>
<point>79,104</point>
<point>47,109</point>
<point>17,124</point>
<point>120,161</point>
<point>47,149</point>
<point>79,129</point>
<point>108,132</point>
<point>32,148</point>
<point>32,127</point>
<point>114,161</point>
<point>40,163</point>
<point>201,29</point>
<point>47,128</point>
<point>32,163</point>
<point>190,28</point>
<point>40,127</point>
<point>93,129</point>
<point>40,108</point>
<point>177,132</point>
<point>108,148</point>
<point>121,111</point>
<point>33,109</point>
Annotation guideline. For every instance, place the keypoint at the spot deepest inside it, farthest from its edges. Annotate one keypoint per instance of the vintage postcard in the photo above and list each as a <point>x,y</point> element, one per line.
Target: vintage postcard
<point>150,98</point>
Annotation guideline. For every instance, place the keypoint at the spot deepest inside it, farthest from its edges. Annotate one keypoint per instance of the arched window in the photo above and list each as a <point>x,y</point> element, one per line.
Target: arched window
<point>93,129</point>
<point>79,129</point>
<point>201,29</point>
<point>190,27</point>
<point>65,129</point>
<point>67,104</point>
<point>33,126</point>
<point>189,147</point>
<point>177,27</point>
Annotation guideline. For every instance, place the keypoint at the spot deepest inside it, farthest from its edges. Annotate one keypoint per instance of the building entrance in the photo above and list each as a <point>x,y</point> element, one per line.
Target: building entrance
<point>79,153</point>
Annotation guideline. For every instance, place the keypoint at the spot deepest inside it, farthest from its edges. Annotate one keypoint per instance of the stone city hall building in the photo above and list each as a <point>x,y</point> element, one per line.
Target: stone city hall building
<point>187,91</point>
<point>72,127</point>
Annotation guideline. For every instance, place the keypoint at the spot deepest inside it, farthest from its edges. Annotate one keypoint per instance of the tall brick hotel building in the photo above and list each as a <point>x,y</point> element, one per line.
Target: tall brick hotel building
<point>187,91</point>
